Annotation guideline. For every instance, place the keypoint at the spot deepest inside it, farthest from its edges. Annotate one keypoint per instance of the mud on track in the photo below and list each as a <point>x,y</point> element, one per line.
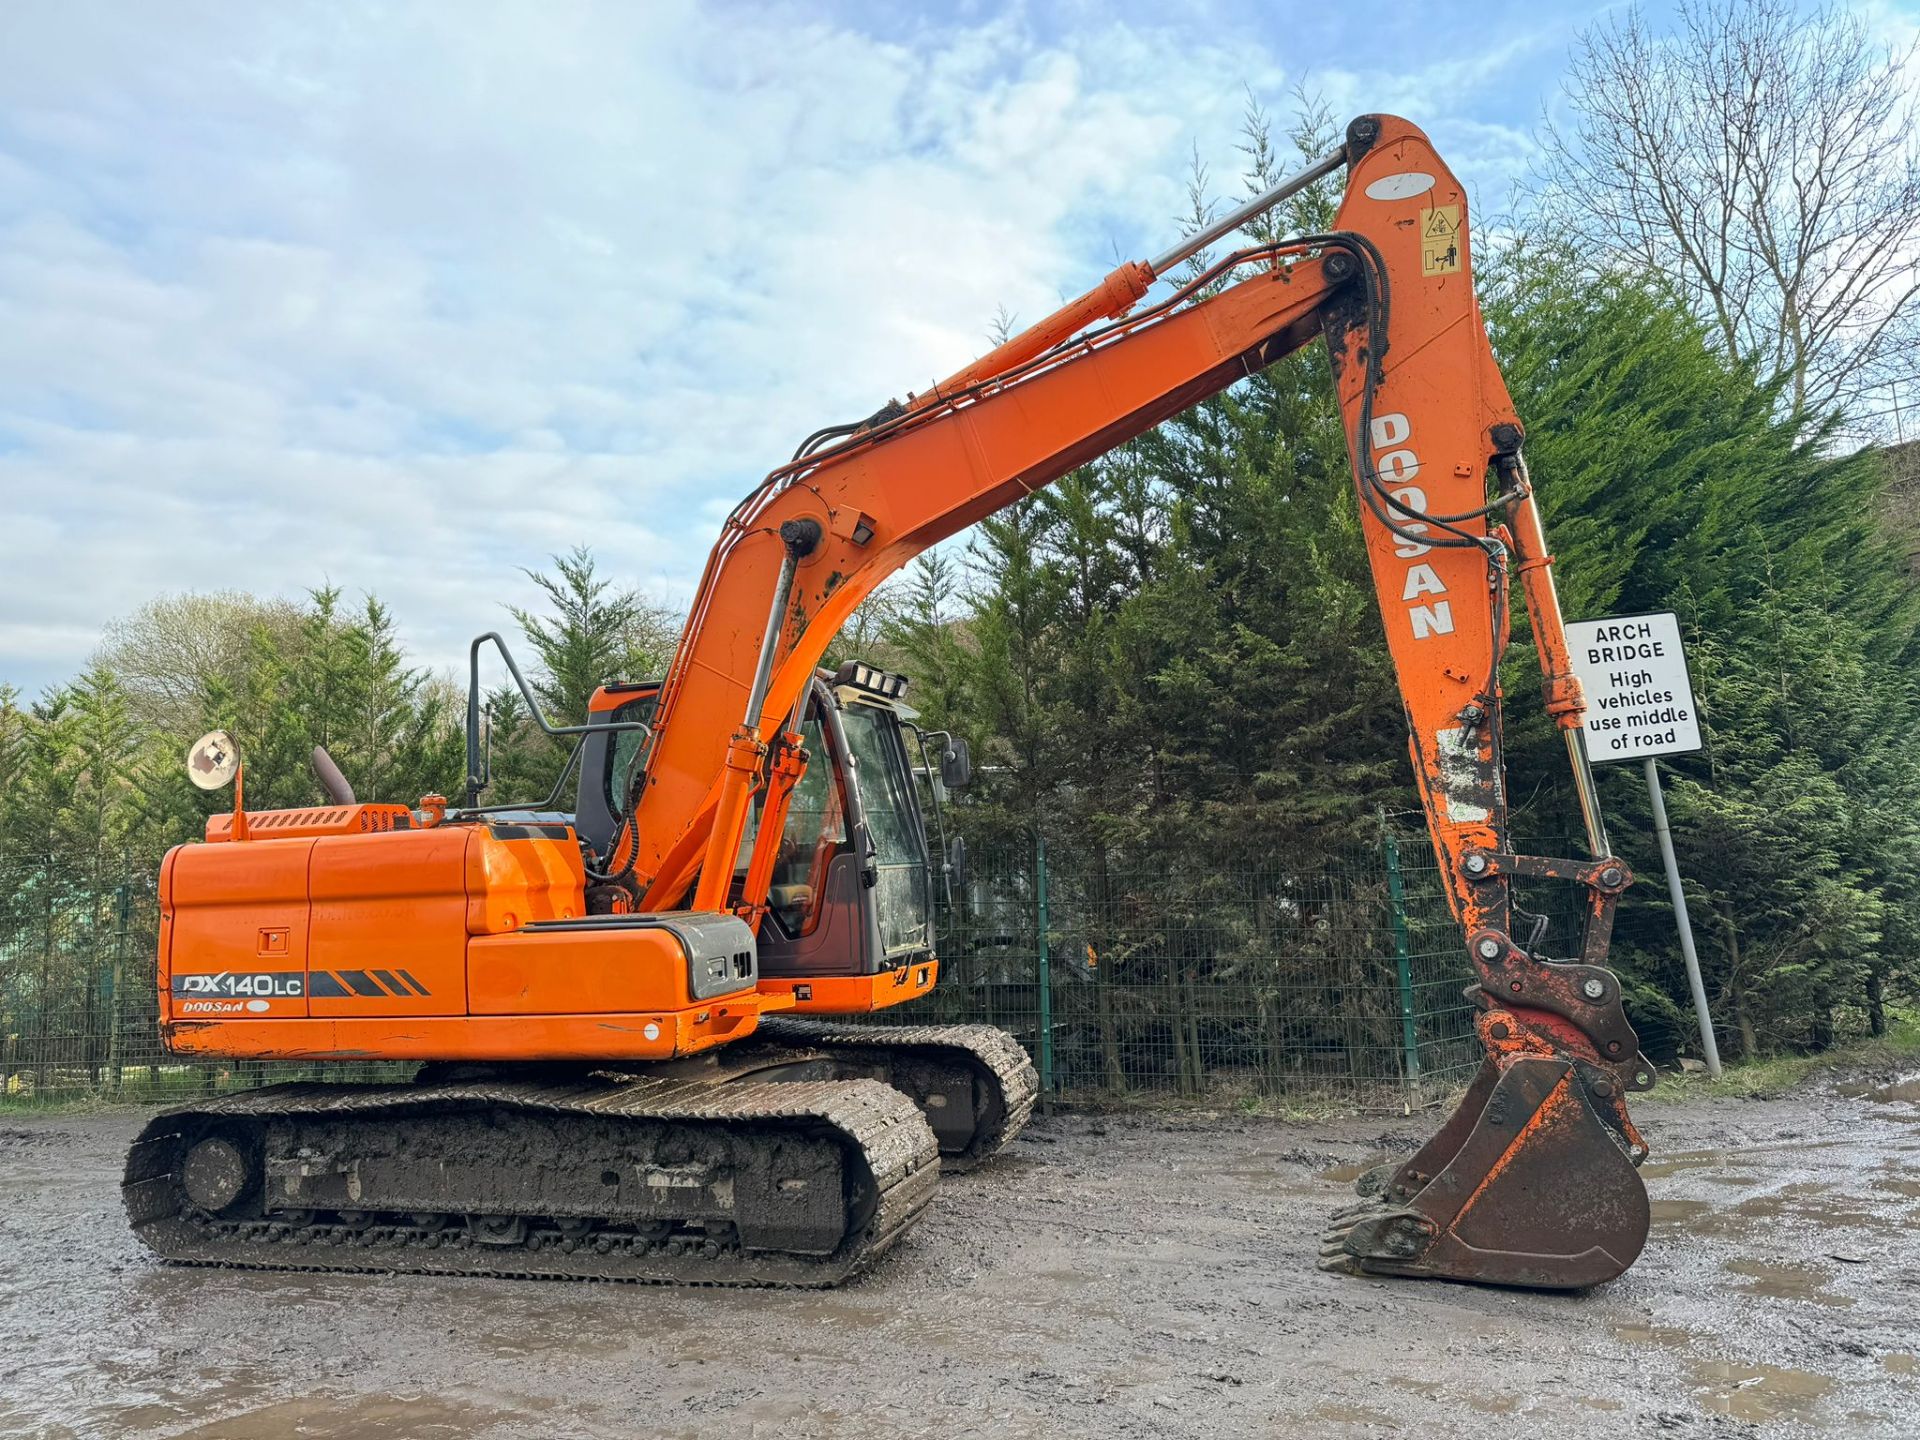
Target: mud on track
<point>1129,1276</point>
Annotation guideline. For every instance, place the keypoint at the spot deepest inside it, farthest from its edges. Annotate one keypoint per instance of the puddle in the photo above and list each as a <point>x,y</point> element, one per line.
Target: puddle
<point>328,1418</point>
<point>1898,1187</point>
<point>1742,1156</point>
<point>1271,1175</point>
<point>1788,1282</point>
<point>1808,1202</point>
<point>1647,1333</point>
<point>1268,1179</point>
<point>16,1422</point>
<point>177,1408</point>
<point>1906,1089</point>
<point>1813,1200</point>
<point>531,1331</point>
<point>1282,1171</point>
<point>1900,1363</point>
<point>1682,1160</point>
<point>1692,1217</point>
<point>1486,1404</point>
<point>1758,1392</point>
<point>1678,1212</point>
<point>1345,1174</point>
<point>1494,1404</point>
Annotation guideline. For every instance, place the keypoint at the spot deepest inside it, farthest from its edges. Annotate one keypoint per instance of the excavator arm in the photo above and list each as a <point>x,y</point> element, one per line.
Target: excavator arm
<point>1534,1180</point>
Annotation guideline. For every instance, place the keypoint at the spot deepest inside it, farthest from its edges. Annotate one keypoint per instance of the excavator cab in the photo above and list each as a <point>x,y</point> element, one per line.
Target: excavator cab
<point>852,886</point>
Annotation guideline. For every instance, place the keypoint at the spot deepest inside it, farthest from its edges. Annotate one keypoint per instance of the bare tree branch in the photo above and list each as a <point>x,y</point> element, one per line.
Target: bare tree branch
<point>1763,163</point>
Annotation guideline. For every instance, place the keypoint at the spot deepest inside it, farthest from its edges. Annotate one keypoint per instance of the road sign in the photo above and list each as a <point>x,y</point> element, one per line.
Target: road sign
<point>1639,699</point>
<point>1640,706</point>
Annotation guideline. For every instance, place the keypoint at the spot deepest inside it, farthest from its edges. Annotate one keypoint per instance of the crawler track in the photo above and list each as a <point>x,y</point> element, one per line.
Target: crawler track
<point>974,1082</point>
<point>653,1179</point>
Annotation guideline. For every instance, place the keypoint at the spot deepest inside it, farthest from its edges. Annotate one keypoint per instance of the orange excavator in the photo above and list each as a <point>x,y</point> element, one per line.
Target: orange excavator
<point>617,1011</point>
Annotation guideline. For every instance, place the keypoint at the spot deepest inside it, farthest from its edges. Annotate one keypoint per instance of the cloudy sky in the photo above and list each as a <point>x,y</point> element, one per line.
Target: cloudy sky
<point>408,297</point>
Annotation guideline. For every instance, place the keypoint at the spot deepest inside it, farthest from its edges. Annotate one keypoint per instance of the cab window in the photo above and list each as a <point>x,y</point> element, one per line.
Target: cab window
<point>902,894</point>
<point>626,744</point>
<point>816,829</point>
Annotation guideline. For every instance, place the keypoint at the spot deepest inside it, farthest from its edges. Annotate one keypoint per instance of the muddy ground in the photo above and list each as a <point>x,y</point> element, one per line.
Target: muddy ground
<point>1112,1275</point>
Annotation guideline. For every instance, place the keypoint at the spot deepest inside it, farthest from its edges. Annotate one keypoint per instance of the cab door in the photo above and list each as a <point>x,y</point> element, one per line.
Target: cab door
<point>888,828</point>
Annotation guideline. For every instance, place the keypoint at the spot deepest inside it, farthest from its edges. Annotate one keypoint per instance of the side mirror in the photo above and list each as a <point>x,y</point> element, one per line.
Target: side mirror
<point>957,864</point>
<point>213,761</point>
<point>956,764</point>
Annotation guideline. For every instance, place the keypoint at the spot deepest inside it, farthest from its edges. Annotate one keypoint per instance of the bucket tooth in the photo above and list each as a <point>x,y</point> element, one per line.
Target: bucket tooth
<point>1538,1191</point>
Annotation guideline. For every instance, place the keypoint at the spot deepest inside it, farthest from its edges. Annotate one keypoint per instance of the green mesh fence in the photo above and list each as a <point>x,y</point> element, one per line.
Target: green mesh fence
<point>1341,982</point>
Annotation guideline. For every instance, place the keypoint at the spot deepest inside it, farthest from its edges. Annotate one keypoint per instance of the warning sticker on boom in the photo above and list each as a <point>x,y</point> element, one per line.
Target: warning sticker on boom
<point>1440,240</point>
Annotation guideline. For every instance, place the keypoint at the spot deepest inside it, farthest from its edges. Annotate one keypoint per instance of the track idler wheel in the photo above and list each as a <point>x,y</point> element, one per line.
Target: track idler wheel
<point>1525,1185</point>
<point>215,1174</point>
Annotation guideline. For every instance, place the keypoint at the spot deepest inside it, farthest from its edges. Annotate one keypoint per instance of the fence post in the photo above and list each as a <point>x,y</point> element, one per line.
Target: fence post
<point>1043,966</point>
<point>1402,949</point>
<point>116,978</point>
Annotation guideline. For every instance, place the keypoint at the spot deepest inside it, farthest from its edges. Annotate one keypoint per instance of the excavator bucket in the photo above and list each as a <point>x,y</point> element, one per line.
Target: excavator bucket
<point>1532,1182</point>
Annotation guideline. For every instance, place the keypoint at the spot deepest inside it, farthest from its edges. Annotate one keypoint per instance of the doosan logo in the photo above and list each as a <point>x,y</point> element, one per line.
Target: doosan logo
<point>224,1007</point>
<point>1395,462</point>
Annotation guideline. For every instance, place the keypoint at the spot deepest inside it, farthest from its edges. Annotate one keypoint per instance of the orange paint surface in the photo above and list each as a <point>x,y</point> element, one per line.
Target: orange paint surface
<point>856,994</point>
<point>463,1037</point>
<point>576,971</point>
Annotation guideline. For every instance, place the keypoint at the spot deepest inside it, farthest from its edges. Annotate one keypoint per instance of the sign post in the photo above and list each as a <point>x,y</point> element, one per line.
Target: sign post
<point>1640,707</point>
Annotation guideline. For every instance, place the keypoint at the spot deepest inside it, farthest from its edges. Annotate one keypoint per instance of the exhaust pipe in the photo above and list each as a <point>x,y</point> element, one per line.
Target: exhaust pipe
<point>330,778</point>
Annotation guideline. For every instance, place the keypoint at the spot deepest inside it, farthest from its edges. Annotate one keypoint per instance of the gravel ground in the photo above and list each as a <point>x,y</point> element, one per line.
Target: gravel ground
<point>1125,1275</point>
